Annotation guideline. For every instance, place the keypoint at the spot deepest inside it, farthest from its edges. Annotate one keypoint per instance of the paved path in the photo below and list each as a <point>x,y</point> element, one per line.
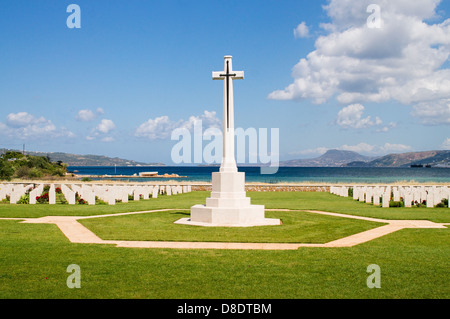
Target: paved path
<point>77,233</point>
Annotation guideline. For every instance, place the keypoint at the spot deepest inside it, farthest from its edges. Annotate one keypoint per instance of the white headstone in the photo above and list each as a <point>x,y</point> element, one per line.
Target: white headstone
<point>155,192</point>
<point>408,199</point>
<point>52,195</point>
<point>385,198</point>
<point>430,199</point>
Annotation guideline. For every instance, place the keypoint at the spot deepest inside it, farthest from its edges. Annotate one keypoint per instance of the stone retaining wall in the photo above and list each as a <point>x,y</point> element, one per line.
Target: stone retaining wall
<point>272,188</point>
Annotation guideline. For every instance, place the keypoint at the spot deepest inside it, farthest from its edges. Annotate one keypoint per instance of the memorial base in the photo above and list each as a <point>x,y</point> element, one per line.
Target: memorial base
<point>228,205</point>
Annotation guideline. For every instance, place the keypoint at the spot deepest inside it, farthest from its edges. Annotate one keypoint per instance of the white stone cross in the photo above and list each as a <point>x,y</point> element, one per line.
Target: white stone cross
<point>228,75</point>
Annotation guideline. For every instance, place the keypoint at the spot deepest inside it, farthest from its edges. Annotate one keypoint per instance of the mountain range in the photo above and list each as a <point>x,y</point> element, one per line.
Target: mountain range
<point>87,160</point>
<point>332,158</point>
<point>431,158</point>
<point>339,158</point>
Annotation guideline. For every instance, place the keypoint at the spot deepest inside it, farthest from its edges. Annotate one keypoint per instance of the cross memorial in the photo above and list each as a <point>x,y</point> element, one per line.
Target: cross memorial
<point>228,204</point>
<point>228,75</point>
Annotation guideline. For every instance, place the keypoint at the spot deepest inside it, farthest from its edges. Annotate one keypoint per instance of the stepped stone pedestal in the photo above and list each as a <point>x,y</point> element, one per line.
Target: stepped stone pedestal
<point>228,205</point>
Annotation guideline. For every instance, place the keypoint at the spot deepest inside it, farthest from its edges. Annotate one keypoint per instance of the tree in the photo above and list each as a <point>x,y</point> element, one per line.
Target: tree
<point>6,170</point>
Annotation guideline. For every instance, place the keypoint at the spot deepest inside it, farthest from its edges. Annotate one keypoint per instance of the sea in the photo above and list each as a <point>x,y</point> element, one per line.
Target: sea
<point>202,174</point>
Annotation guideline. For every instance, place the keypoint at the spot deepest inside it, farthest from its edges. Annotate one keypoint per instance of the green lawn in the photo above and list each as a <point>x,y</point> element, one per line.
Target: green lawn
<point>297,227</point>
<point>413,262</point>
<point>271,200</point>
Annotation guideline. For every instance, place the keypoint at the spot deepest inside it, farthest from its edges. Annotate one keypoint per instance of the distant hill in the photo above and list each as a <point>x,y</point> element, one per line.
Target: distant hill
<point>332,158</point>
<point>433,158</point>
<point>14,164</point>
<point>87,160</point>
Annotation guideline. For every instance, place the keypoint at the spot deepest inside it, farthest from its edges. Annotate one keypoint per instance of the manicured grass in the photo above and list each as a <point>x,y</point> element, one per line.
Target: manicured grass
<point>30,211</point>
<point>413,262</point>
<point>271,200</point>
<point>34,259</point>
<point>345,205</point>
<point>298,227</point>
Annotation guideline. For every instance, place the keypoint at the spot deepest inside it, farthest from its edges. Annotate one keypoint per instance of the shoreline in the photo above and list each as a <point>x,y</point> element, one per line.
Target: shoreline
<point>205,183</point>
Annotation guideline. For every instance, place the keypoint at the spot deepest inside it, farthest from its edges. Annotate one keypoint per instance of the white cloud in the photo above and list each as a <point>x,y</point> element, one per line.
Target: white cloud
<point>386,128</point>
<point>400,61</point>
<point>361,148</point>
<point>446,144</point>
<point>102,130</point>
<point>311,151</point>
<point>433,113</point>
<point>162,127</point>
<point>25,126</point>
<point>158,128</point>
<point>351,117</point>
<point>301,31</point>
<point>368,149</point>
<point>23,119</point>
<point>88,115</point>
<point>105,126</point>
<point>85,116</point>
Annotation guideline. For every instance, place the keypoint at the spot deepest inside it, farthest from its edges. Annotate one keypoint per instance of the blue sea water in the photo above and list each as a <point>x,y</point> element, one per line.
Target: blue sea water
<point>284,174</point>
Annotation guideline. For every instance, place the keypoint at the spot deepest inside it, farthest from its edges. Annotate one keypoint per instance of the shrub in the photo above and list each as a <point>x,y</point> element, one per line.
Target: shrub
<point>59,172</point>
<point>443,203</point>
<point>396,204</point>
<point>24,199</point>
<point>34,173</point>
<point>23,171</point>
<point>350,192</point>
<point>6,170</point>
<point>417,204</point>
<point>86,179</point>
<point>5,200</point>
<point>98,201</point>
<point>43,199</point>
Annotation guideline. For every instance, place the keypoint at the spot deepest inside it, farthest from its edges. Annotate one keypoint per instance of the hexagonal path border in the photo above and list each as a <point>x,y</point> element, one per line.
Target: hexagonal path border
<point>77,233</point>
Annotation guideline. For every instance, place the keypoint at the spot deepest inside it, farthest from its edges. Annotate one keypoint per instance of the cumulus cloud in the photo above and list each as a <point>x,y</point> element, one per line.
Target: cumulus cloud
<point>25,126</point>
<point>433,113</point>
<point>402,60</point>
<point>301,31</point>
<point>162,127</point>
<point>102,131</point>
<point>88,115</point>
<point>105,126</point>
<point>352,117</point>
<point>85,115</point>
<point>157,128</point>
<point>446,144</point>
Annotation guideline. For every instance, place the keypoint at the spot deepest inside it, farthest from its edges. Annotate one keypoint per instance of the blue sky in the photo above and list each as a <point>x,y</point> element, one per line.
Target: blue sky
<point>136,70</point>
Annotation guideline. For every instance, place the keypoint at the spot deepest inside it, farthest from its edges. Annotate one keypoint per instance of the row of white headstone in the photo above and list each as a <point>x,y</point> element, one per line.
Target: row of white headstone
<point>377,195</point>
<point>107,193</point>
